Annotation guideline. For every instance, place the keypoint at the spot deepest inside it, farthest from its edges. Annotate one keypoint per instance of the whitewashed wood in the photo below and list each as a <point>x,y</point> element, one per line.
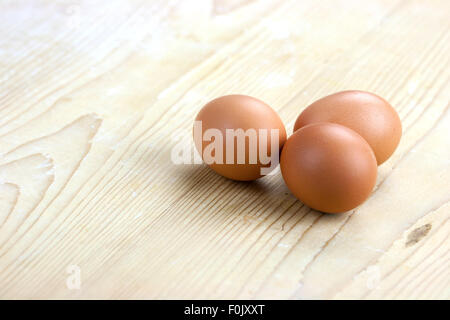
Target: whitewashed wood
<point>93,99</point>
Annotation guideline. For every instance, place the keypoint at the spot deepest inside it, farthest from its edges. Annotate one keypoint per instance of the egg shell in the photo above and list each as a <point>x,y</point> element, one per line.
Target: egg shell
<point>239,112</point>
<point>328,167</point>
<point>366,113</point>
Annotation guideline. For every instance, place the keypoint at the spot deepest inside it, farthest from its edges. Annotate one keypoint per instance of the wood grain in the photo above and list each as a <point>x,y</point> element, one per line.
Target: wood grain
<point>95,96</point>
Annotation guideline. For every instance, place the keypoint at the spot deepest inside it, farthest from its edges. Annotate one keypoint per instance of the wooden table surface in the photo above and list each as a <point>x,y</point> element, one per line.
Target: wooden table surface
<point>96,95</point>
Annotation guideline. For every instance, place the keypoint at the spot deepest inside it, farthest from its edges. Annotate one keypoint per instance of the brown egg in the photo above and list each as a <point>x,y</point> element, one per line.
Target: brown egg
<point>328,167</point>
<point>254,154</point>
<point>366,113</point>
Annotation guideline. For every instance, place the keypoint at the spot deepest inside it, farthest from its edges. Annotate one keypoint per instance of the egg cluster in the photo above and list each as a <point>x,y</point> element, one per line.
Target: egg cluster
<point>329,162</point>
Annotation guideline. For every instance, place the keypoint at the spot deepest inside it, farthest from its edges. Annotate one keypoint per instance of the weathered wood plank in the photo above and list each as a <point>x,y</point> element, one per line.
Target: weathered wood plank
<point>94,97</point>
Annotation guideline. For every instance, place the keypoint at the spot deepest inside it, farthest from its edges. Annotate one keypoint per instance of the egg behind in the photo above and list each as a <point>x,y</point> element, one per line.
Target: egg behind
<point>366,113</point>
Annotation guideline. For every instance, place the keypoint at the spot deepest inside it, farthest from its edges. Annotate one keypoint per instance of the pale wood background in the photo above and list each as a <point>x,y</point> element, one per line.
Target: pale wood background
<point>95,94</point>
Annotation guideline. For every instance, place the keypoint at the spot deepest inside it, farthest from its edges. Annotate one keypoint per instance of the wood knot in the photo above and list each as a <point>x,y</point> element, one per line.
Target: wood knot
<point>417,234</point>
